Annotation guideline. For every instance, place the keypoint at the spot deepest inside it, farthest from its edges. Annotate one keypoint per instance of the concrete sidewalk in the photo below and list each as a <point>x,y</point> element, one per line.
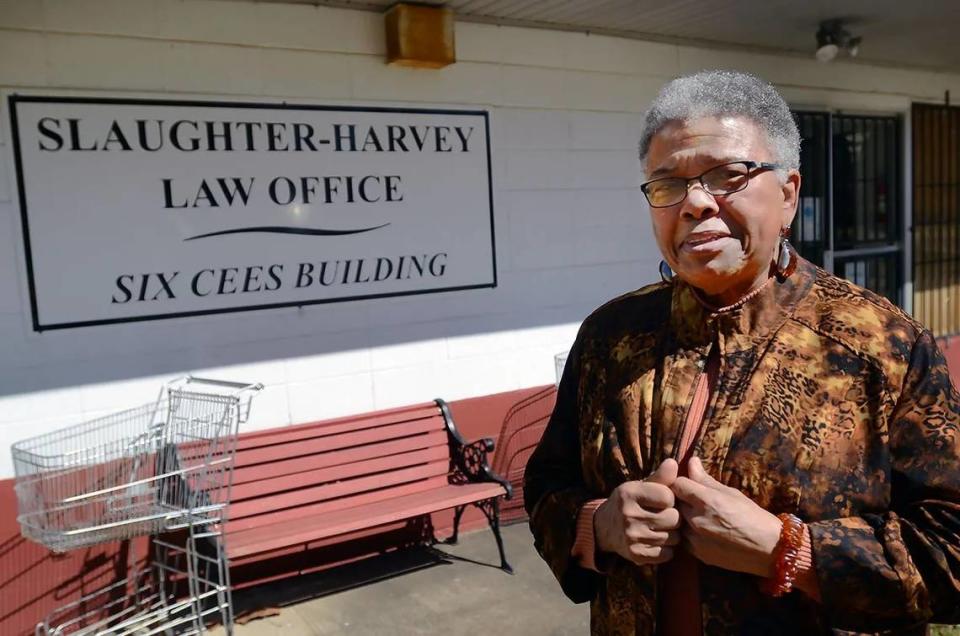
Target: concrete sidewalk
<point>463,592</point>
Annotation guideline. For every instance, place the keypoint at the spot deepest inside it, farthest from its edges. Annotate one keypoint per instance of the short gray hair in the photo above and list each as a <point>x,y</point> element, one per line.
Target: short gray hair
<point>731,93</point>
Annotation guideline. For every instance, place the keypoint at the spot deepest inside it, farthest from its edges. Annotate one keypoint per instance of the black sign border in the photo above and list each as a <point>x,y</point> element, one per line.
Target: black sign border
<point>16,98</point>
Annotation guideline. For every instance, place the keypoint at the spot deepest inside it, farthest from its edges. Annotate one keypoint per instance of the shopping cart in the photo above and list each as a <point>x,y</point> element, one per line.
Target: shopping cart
<point>157,468</point>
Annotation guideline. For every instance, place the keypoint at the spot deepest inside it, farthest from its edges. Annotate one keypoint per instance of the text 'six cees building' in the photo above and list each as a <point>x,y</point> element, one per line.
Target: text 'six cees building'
<point>248,191</point>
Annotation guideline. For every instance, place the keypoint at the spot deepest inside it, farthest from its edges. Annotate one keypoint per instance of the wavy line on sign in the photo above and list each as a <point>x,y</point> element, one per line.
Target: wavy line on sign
<point>280,229</point>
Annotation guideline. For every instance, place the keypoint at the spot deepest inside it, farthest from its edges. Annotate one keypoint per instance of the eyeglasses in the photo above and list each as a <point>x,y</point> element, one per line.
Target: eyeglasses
<point>721,180</point>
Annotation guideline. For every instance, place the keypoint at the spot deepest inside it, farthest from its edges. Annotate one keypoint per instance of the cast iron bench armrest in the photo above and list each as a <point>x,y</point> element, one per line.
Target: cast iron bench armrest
<point>468,461</point>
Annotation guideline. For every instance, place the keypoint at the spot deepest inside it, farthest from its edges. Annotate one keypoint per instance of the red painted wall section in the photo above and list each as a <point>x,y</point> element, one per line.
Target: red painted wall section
<point>482,416</point>
<point>951,351</point>
<point>34,581</point>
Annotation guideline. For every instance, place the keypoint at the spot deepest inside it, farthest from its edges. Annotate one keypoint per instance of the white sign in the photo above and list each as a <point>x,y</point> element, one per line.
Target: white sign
<point>148,209</point>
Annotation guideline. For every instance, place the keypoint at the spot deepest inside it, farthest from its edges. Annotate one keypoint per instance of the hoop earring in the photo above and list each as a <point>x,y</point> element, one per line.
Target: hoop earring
<point>786,260</point>
<point>666,274</point>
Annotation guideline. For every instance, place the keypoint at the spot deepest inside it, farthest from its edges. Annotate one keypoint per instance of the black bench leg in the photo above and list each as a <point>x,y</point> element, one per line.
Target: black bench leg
<point>457,514</point>
<point>491,509</point>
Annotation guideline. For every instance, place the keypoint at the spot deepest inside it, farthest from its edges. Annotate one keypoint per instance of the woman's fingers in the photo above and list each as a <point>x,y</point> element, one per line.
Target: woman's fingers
<point>650,496</point>
<point>639,521</point>
<point>649,536</point>
<point>666,519</point>
<point>665,474</point>
<point>648,555</point>
<point>670,538</point>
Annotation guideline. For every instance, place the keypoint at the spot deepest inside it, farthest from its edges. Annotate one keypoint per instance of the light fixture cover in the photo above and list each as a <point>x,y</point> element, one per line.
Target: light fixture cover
<point>827,52</point>
<point>420,36</point>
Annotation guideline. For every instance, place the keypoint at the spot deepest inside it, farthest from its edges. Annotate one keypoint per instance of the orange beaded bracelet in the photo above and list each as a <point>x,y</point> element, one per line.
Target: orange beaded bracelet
<point>785,556</point>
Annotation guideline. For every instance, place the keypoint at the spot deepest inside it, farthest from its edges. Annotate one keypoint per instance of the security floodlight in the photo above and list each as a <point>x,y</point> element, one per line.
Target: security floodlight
<point>832,38</point>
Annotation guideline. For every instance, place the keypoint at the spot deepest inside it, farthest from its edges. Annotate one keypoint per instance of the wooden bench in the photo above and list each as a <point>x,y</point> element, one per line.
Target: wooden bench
<point>295,486</point>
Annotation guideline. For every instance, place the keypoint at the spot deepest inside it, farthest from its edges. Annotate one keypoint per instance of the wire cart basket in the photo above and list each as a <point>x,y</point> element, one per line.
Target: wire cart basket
<point>158,468</point>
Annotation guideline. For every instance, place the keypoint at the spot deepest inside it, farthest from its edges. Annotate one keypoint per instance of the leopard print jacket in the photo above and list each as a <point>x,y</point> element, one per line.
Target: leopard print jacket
<point>832,404</point>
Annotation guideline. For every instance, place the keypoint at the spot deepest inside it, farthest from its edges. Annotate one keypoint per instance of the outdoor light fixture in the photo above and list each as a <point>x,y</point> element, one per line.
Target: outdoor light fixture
<point>833,38</point>
<point>420,36</point>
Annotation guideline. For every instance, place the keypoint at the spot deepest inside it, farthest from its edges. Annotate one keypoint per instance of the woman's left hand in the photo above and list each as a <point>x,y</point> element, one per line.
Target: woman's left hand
<point>722,526</point>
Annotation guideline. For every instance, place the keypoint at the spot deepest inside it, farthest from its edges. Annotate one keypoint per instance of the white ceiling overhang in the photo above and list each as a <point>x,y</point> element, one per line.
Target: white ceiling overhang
<point>912,34</point>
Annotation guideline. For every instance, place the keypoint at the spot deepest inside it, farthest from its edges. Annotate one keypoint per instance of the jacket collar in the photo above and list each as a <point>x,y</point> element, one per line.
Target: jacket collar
<point>746,325</point>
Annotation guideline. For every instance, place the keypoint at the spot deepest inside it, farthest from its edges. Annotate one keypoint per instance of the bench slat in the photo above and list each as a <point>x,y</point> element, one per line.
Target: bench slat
<point>332,427</point>
<point>352,471</point>
<point>271,516</point>
<point>315,527</point>
<point>313,494</point>
<point>333,443</point>
<point>290,467</point>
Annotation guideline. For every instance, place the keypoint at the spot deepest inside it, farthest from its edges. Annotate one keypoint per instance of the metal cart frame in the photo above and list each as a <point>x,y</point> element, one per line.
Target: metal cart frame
<point>159,468</point>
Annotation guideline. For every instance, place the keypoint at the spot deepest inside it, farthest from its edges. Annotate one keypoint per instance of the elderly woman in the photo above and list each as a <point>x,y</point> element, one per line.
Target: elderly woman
<point>752,446</point>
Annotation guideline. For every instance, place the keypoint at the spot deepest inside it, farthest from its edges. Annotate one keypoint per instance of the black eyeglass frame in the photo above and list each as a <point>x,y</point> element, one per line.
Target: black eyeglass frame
<point>752,168</point>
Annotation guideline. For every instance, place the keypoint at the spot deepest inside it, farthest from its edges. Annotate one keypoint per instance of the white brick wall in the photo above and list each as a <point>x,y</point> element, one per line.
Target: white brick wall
<point>571,227</point>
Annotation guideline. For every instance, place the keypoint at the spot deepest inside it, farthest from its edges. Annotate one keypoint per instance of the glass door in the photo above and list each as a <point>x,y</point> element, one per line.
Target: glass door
<point>850,217</point>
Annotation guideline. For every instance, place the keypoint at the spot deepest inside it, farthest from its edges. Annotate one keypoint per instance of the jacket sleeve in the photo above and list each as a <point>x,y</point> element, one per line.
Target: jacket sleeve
<point>902,566</point>
<point>554,488</point>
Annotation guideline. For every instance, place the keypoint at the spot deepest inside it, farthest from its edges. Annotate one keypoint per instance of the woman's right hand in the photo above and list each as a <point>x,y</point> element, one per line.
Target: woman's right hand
<point>638,520</point>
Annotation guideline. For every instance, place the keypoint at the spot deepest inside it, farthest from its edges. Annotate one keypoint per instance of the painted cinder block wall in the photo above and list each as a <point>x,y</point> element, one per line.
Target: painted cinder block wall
<point>571,228</point>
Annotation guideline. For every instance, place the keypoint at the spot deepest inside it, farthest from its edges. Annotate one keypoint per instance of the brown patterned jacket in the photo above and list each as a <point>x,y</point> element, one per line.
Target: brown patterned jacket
<point>832,404</point>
